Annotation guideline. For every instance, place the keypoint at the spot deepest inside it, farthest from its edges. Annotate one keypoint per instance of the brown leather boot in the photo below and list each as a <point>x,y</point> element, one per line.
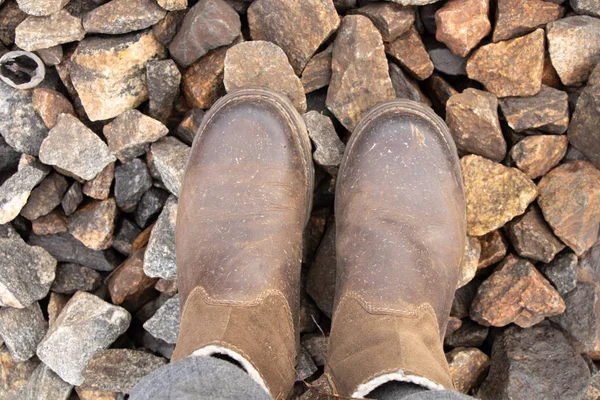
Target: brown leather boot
<point>245,200</point>
<point>400,220</point>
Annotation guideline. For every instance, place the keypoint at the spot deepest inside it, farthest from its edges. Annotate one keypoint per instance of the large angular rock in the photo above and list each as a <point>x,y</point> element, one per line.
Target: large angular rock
<point>461,24</point>
<point>44,384</point>
<point>317,73</point>
<point>515,292</point>
<point>472,117</point>
<point>297,27</point>
<point>532,237</point>
<point>583,131</point>
<point>26,273</point>
<point>203,80</point>
<point>206,26</point>
<point>73,147</point>
<point>547,111</point>
<point>488,185</point>
<point>37,33</point>
<point>40,8</point>
<point>22,330</point>
<point>574,46</point>
<point>14,374</point>
<point>360,77</point>
<point>169,157</point>
<point>519,17</point>
<point>329,148</point>
<point>45,197</point>
<point>49,104</point>
<point>511,68</point>
<point>260,63</point>
<point>15,191</point>
<point>128,285</point>
<point>86,325</point>
<point>109,74</point>
<point>159,260</point>
<point>123,16</point>
<point>22,127</point>
<point>93,225</point>
<point>71,278</point>
<point>409,50</point>
<point>536,155</point>
<point>468,368</point>
<point>131,182</point>
<point>562,272</point>
<point>65,248</point>
<point>164,324</point>
<point>535,363</point>
<point>163,78</point>
<point>119,370</point>
<point>570,201</point>
<point>391,19</point>
<point>99,187</point>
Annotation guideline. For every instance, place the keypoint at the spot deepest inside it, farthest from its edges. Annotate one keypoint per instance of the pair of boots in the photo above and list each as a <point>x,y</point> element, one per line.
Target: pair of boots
<point>400,222</point>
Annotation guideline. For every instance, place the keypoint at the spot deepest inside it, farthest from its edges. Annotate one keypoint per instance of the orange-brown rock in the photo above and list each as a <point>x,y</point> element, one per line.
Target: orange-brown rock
<point>519,17</point>
<point>570,201</point>
<point>410,52</point>
<point>128,285</point>
<point>391,19</point>
<point>516,292</point>
<point>468,368</point>
<point>49,103</point>
<point>493,249</point>
<point>461,24</point>
<point>99,187</point>
<point>511,68</point>
<point>495,194</point>
<point>93,225</point>
<point>55,222</point>
<point>317,73</point>
<point>202,82</point>
<point>583,132</point>
<point>536,155</point>
<point>442,90</point>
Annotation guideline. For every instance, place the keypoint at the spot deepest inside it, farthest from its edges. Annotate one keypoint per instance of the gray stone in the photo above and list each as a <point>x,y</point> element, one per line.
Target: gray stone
<point>73,147</point>
<point>72,198</point>
<point>86,325</point>
<point>159,260</point>
<point>150,205</point>
<point>306,366</point>
<point>157,345</point>
<point>65,248</point>
<point>169,157</point>
<point>329,148</point>
<point>125,236</point>
<point>42,32</point>
<point>589,7</point>
<point>26,273</point>
<point>109,74</point>
<point>22,128</point>
<point>123,16</point>
<point>163,79</point>
<point>51,56</point>
<point>15,191</point>
<point>22,330</point>
<point>446,61</point>
<point>71,278</point>
<point>535,363</point>
<point>41,7</point>
<point>44,384</point>
<point>14,374</point>
<point>132,180</point>
<point>9,158</point>
<point>119,370</point>
<point>562,272</point>
<point>164,324</point>
<point>316,344</point>
<point>45,197</point>
<point>405,87</point>
<point>470,334</point>
<point>186,131</point>
<point>207,25</point>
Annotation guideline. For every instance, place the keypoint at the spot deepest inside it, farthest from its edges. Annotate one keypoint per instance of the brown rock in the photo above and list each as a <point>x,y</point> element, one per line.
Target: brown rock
<point>570,201</point>
<point>14,374</point>
<point>536,155</point>
<point>495,194</point>
<point>56,303</point>
<point>532,237</point>
<point>549,76</point>
<point>442,90</point>
<point>49,103</point>
<point>410,52</point>
<point>468,368</point>
<point>453,325</point>
<point>547,111</point>
<point>511,68</point>
<point>207,25</point>
<point>109,74</point>
<point>165,286</point>
<point>42,32</point>
<point>516,292</point>
<point>123,16</point>
<point>203,80</point>
<point>472,117</point>
<point>470,261</point>
<point>10,17</point>
<point>87,393</point>
<point>260,63</point>
<point>493,249</point>
<point>360,77</point>
<point>93,225</point>
<point>297,27</point>
<point>391,19</point>
<point>406,87</point>
<point>583,131</point>
<point>519,17</point>
<point>166,29</point>
<point>461,24</point>
<point>45,197</point>
<point>574,46</point>
<point>317,73</point>
<point>128,285</point>
<point>71,278</point>
<point>55,222</point>
<point>99,187</point>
